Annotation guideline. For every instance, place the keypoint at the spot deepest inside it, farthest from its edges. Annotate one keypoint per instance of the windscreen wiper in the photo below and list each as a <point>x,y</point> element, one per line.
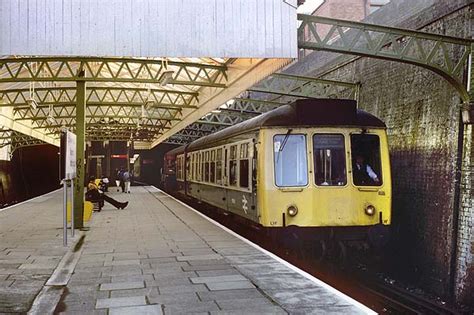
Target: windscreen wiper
<point>285,140</point>
<point>283,143</point>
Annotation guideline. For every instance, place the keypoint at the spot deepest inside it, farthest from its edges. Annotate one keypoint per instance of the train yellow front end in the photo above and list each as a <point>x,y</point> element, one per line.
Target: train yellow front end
<point>309,177</point>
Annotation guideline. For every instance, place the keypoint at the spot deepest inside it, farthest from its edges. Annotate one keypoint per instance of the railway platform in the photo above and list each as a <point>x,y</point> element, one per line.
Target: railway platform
<point>157,256</point>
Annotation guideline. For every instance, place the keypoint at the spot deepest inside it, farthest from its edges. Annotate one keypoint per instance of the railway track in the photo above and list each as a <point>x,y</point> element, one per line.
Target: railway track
<point>382,297</point>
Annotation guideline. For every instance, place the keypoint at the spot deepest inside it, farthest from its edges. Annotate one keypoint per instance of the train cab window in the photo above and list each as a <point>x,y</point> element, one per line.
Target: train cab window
<point>233,166</point>
<point>290,160</point>
<point>366,162</point>
<point>329,160</point>
<point>219,166</point>
<point>212,171</point>
<point>244,166</point>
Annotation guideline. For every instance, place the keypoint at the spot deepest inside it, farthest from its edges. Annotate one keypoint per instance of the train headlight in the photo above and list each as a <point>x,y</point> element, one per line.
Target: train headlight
<point>370,210</point>
<point>292,210</point>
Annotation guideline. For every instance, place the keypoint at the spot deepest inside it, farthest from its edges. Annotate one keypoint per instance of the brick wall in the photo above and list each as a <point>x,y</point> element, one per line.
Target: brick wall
<point>465,270</point>
<point>353,10</point>
<point>422,114</point>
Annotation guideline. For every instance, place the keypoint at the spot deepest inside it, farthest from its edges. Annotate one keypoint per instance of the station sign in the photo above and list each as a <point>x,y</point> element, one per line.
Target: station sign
<point>68,155</point>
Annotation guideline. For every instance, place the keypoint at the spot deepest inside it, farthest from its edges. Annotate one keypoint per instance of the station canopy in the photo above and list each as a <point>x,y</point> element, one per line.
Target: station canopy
<point>135,96</point>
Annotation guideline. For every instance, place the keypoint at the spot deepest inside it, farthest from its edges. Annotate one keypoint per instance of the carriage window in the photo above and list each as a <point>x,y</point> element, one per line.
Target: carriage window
<point>206,166</point>
<point>199,167</point>
<point>233,166</point>
<point>366,162</point>
<point>291,166</point>
<point>329,160</point>
<point>194,166</point>
<point>244,166</point>
<point>244,173</point>
<point>219,167</point>
<point>188,165</point>
<point>212,172</point>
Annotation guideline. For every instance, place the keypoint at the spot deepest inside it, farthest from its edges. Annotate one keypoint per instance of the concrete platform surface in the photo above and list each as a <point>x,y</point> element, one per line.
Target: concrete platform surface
<point>157,256</point>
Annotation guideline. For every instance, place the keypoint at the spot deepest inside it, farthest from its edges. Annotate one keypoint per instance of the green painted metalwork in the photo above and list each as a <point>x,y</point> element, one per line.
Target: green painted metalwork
<point>80,132</point>
<point>301,86</point>
<point>111,70</point>
<point>17,140</point>
<point>445,55</point>
<point>129,96</point>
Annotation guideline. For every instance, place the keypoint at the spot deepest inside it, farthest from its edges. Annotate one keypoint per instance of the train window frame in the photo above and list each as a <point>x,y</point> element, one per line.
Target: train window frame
<point>219,180</point>
<point>206,166</point>
<point>306,160</point>
<point>212,167</point>
<point>233,158</point>
<point>313,156</point>
<point>244,156</point>
<point>380,173</point>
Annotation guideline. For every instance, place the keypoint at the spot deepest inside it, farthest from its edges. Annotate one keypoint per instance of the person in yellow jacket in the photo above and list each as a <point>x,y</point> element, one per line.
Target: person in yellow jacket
<point>94,193</point>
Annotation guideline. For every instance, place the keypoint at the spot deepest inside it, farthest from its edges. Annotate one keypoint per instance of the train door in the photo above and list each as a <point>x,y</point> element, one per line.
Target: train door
<point>330,155</point>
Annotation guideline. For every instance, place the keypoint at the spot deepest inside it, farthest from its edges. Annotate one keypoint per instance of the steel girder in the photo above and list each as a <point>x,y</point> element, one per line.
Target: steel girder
<point>66,96</point>
<point>445,55</point>
<point>301,87</point>
<point>110,70</point>
<point>282,89</point>
<point>16,140</point>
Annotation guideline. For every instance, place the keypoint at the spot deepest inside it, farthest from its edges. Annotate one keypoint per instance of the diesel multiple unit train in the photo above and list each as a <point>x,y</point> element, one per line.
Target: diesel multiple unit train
<point>320,165</point>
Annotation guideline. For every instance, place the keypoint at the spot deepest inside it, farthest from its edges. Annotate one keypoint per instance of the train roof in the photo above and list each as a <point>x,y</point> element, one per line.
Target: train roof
<point>303,112</point>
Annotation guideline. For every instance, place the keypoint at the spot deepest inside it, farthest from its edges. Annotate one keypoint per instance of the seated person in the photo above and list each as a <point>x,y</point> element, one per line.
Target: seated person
<point>362,172</point>
<point>95,194</point>
<point>104,184</point>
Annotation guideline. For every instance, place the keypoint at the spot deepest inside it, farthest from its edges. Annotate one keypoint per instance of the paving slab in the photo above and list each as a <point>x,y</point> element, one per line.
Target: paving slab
<point>120,301</point>
<point>122,285</point>
<point>156,256</point>
<point>137,310</point>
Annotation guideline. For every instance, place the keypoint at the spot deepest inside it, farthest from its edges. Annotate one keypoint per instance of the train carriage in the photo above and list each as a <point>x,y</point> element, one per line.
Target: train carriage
<point>315,163</point>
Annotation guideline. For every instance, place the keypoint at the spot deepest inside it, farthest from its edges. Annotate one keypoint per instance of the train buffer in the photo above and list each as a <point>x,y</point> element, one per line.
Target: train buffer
<point>157,256</point>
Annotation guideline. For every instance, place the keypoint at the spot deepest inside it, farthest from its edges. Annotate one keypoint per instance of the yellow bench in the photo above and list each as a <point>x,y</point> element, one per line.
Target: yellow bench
<point>88,207</point>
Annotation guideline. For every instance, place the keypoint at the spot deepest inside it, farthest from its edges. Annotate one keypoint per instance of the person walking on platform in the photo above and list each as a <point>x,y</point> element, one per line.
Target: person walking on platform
<point>122,182</point>
<point>95,194</point>
<point>126,179</point>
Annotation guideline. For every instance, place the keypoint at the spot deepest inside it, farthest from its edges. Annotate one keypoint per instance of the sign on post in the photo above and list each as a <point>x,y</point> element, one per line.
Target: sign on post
<point>68,173</point>
<point>68,155</point>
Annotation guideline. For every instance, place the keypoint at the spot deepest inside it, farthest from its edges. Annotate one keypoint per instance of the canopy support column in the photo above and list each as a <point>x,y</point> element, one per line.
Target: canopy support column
<point>80,149</point>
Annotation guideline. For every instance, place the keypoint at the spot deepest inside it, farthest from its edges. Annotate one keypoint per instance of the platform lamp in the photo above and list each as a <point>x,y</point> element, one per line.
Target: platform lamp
<point>166,77</point>
<point>467,113</point>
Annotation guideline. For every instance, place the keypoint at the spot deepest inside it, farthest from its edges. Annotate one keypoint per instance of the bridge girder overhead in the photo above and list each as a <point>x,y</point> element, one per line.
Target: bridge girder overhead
<point>278,89</point>
<point>430,51</point>
<point>427,50</point>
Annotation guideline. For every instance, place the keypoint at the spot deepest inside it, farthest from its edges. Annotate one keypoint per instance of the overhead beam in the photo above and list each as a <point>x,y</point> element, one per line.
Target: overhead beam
<point>241,75</point>
<point>26,128</point>
<point>303,86</point>
<point>101,95</point>
<point>26,69</point>
<point>430,51</point>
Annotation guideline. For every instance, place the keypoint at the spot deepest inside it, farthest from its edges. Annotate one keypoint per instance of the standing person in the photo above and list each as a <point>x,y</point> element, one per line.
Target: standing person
<point>117,179</point>
<point>126,180</point>
<point>93,193</point>
<point>122,183</point>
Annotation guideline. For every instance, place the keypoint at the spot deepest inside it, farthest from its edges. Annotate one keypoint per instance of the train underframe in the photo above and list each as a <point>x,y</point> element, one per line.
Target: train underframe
<point>322,243</point>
